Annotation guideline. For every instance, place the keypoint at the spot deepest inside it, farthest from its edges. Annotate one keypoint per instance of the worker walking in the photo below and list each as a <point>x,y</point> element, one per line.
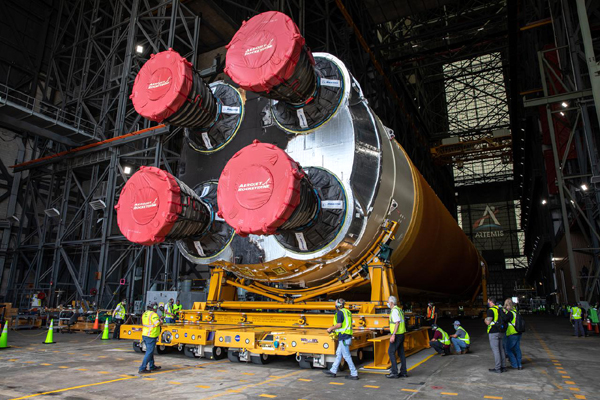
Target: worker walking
<point>513,337</point>
<point>169,312</point>
<point>177,308</point>
<point>576,318</point>
<point>496,328</point>
<point>150,332</point>
<point>342,326</point>
<point>118,315</point>
<point>440,341</point>
<point>397,331</point>
<point>461,339</point>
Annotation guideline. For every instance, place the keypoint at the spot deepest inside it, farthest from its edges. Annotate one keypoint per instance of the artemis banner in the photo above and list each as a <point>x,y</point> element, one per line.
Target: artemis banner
<point>492,226</point>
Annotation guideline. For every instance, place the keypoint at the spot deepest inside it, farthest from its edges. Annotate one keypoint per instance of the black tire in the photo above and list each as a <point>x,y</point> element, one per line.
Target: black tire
<point>136,347</point>
<point>218,353</point>
<point>233,356</point>
<point>304,363</point>
<point>162,349</point>
<point>189,351</point>
<point>360,356</point>
<point>260,360</point>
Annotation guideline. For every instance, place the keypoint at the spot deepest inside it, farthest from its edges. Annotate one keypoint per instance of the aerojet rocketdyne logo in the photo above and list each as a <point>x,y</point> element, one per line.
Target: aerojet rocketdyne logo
<point>244,187</point>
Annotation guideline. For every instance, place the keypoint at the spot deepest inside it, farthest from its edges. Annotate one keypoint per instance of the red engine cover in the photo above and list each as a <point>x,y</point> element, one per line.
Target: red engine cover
<point>149,205</point>
<point>264,52</point>
<point>162,85</point>
<point>259,189</point>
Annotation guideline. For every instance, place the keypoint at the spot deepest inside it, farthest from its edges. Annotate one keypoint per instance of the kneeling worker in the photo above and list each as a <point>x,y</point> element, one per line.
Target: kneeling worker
<point>440,341</point>
<point>460,339</point>
<point>150,332</point>
<point>397,330</point>
<point>342,325</point>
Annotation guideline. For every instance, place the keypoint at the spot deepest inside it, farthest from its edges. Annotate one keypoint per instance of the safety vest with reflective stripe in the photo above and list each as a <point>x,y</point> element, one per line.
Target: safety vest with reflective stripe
<point>120,311</point>
<point>511,330</point>
<point>445,338</point>
<point>495,321</point>
<point>576,312</point>
<point>401,326</point>
<point>467,338</point>
<point>150,322</point>
<point>346,327</point>
<point>177,308</point>
<point>430,312</point>
<point>169,311</point>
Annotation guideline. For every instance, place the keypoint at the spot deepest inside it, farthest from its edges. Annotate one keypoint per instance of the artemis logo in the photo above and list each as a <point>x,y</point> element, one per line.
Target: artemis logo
<point>254,186</point>
<point>146,204</point>
<point>488,220</point>
<point>155,85</point>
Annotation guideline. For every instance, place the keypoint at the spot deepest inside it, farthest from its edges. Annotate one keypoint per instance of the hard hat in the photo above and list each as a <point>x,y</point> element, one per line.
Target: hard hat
<point>340,303</point>
<point>434,327</point>
<point>456,322</point>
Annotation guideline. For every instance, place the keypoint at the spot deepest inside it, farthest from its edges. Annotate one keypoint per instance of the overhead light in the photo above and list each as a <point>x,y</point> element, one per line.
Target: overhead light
<point>139,49</point>
<point>544,201</point>
<point>584,187</point>
<point>480,29</point>
<point>540,283</point>
<point>415,45</point>
<point>52,212</point>
<point>572,202</point>
<point>97,205</point>
<point>564,104</point>
<point>127,170</point>
<point>562,113</point>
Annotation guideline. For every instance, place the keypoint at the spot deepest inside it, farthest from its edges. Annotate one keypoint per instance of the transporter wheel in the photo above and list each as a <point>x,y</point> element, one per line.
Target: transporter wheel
<point>234,356</point>
<point>360,356</point>
<point>162,349</point>
<point>304,363</point>
<point>218,353</point>
<point>136,347</point>
<point>189,351</point>
<point>261,360</point>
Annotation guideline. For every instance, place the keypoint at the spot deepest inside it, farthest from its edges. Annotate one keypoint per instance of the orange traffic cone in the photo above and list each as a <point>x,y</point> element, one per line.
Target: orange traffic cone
<point>596,328</point>
<point>96,323</point>
<point>589,324</point>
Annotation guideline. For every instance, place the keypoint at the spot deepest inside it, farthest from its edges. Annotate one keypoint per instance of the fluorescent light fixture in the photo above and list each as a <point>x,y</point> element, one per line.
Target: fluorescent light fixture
<point>584,187</point>
<point>562,113</point>
<point>97,205</point>
<point>415,45</point>
<point>126,170</point>
<point>139,49</point>
<point>544,201</point>
<point>564,104</point>
<point>480,29</point>
<point>572,202</point>
<point>52,212</point>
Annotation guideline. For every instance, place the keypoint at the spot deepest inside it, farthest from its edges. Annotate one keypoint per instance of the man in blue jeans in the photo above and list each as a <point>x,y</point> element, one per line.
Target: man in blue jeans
<point>150,334</point>
<point>342,325</point>
<point>461,339</point>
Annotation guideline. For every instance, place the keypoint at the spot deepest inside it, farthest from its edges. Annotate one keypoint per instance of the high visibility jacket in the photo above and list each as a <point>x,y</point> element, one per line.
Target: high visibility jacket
<point>511,330</point>
<point>430,312</point>
<point>467,338</point>
<point>177,308</point>
<point>445,338</point>
<point>346,325</point>
<point>495,321</point>
<point>120,311</point>
<point>169,311</point>
<point>593,315</point>
<point>401,325</point>
<point>576,313</point>
<point>151,323</point>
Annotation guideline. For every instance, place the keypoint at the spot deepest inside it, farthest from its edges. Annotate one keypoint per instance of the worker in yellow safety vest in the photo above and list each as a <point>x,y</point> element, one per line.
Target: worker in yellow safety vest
<point>342,326</point>
<point>169,312</point>
<point>177,308</point>
<point>397,331</point>
<point>461,339</point>
<point>496,327</point>
<point>150,332</point>
<point>440,341</point>
<point>118,315</point>
<point>576,318</point>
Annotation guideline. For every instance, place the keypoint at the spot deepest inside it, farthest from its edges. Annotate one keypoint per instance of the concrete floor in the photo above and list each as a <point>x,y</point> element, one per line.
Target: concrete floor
<point>556,366</point>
